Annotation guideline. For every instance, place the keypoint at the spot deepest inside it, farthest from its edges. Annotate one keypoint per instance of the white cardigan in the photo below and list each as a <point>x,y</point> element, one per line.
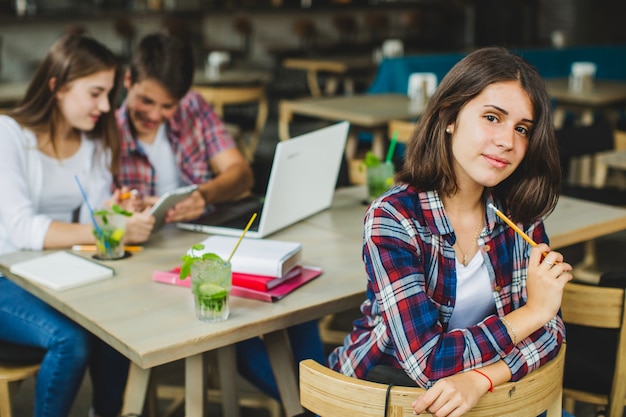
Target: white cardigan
<point>21,181</point>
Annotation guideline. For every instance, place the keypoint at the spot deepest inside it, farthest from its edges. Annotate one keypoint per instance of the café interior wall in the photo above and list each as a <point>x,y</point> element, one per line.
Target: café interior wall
<point>24,43</point>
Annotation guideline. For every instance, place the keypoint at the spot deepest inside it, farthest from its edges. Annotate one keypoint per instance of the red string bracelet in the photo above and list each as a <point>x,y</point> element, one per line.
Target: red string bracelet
<point>485,375</point>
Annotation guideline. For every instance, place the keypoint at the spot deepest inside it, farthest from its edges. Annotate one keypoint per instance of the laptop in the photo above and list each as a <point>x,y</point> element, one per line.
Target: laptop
<point>302,182</point>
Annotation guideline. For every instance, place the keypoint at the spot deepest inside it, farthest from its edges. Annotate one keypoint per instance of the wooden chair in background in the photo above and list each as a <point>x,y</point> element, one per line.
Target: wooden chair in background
<point>222,96</point>
<point>329,393</point>
<point>17,363</point>
<point>595,368</point>
<point>404,129</point>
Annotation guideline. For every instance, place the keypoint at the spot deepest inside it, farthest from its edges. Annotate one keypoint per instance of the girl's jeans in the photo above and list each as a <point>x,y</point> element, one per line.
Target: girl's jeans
<point>24,319</point>
<point>253,362</point>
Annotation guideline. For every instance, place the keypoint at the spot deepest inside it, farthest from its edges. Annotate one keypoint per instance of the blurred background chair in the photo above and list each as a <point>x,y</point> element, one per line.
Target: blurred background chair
<point>17,363</point>
<point>579,148</point>
<point>329,393</point>
<point>245,133</point>
<point>595,366</point>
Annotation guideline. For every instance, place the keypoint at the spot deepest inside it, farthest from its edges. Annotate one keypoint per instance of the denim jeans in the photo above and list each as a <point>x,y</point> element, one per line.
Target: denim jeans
<point>254,365</point>
<point>26,320</point>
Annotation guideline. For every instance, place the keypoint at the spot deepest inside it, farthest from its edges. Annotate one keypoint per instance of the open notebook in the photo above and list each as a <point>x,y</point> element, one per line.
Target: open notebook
<point>302,182</point>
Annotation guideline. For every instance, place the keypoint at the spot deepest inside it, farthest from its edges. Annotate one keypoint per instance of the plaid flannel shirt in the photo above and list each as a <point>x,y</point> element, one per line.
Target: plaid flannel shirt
<point>196,134</point>
<point>410,261</point>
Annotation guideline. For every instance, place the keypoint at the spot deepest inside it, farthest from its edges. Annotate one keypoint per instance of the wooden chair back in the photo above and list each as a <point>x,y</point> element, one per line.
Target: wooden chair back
<point>404,128</point>
<point>599,307</point>
<point>329,393</point>
<point>221,96</point>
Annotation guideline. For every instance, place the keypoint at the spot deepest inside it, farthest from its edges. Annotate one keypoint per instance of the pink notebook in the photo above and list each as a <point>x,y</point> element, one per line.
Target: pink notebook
<point>308,273</point>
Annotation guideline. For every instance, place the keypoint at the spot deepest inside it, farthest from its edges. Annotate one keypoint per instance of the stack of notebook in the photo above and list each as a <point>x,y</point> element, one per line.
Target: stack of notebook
<point>262,269</point>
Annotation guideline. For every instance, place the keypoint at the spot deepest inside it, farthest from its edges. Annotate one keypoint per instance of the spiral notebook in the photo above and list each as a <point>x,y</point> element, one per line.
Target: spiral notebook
<point>62,270</point>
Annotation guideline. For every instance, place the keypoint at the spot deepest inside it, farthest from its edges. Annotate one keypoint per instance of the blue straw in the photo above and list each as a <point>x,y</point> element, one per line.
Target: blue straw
<point>93,217</point>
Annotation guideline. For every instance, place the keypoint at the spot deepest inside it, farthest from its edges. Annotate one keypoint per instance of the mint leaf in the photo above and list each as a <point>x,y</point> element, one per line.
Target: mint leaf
<point>117,209</point>
<point>371,160</point>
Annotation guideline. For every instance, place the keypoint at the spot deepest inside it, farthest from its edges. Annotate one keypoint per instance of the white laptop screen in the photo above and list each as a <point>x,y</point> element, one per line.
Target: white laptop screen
<point>302,182</point>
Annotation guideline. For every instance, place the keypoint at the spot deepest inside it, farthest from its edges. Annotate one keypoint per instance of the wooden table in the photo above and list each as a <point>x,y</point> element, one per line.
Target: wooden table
<point>341,67</point>
<point>154,324</point>
<point>366,111</point>
<point>606,96</point>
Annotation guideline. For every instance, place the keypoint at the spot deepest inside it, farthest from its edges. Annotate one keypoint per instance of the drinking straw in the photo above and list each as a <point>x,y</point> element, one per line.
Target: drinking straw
<point>392,146</point>
<point>93,217</point>
<point>242,235</point>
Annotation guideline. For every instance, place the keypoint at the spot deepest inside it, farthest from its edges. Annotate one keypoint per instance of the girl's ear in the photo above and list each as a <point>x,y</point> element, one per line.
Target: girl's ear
<point>127,82</point>
<point>52,83</point>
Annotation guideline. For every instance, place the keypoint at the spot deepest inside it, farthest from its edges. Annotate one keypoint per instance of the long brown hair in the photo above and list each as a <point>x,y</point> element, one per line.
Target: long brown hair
<point>71,57</point>
<point>533,189</point>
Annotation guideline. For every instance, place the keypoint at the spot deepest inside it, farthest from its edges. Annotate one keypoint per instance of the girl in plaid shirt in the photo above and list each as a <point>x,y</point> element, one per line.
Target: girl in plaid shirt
<point>455,297</point>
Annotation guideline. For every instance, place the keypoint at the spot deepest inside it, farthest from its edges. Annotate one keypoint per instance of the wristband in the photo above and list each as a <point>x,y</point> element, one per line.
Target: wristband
<point>508,325</point>
<point>489,379</point>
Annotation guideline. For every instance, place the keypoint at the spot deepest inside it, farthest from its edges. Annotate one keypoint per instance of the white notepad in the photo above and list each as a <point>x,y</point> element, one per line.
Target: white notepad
<point>62,270</point>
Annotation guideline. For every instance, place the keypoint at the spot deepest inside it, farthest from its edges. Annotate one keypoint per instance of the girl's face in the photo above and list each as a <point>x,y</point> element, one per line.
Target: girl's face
<point>490,135</point>
<point>83,100</point>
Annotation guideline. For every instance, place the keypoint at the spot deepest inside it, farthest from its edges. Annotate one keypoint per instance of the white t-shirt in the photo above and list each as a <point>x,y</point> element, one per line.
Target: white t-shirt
<point>162,158</point>
<point>474,297</point>
<point>24,179</point>
<point>60,195</point>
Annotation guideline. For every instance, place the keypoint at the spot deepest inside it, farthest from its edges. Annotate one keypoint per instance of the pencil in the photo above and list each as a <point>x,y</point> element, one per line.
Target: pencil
<point>513,225</point>
<point>92,248</point>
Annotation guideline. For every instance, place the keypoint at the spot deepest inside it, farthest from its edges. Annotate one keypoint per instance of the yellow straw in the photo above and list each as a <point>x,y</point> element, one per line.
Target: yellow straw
<point>513,226</point>
<point>242,235</point>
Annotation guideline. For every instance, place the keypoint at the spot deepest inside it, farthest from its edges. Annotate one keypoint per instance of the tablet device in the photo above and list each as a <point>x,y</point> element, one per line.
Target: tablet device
<point>169,200</point>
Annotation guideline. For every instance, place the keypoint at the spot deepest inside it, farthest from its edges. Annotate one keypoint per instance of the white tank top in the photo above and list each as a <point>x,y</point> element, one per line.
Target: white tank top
<point>60,194</point>
<point>474,298</point>
<point>162,159</point>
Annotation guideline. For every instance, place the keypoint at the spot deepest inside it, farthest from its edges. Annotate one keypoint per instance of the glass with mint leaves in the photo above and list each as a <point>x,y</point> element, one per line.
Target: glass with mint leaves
<point>211,282</point>
<point>379,175</point>
<point>109,231</point>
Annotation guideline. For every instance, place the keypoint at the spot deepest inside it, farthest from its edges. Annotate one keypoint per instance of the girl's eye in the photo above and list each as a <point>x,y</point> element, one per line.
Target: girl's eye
<point>491,118</point>
<point>523,130</point>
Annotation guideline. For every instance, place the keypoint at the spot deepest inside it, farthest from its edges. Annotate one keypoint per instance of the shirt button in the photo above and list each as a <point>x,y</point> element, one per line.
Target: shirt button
<point>498,288</point>
<point>486,248</point>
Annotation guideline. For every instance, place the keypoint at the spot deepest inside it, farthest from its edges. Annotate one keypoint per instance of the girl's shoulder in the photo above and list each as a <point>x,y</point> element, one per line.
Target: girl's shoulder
<point>12,131</point>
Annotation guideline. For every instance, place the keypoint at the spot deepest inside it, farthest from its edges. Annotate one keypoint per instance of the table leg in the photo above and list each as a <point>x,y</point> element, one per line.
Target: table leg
<point>585,170</point>
<point>352,144</point>
<point>378,143</point>
<point>227,368</point>
<point>348,86</point>
<point>331,85</point>
<point>195,385</point>
<point>281,358</point>
<point>284,117</point>
<point>314,88</point>
<point>136,388</point>
<point>601,170</point>
<point>558,117</point>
